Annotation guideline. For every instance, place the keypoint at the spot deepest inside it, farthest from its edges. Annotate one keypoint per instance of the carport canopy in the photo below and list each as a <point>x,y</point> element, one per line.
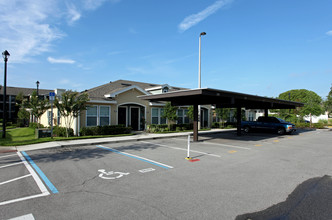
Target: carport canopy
<point>221,99</point>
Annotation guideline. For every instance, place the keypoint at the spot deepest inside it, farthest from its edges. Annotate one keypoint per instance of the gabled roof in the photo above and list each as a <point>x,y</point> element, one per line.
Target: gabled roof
<point>122,90</point>
<point>26,91</point>
<point>108,91</point>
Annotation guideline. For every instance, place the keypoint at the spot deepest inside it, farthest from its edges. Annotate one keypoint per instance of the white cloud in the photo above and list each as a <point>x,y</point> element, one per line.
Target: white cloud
<point>73,14</point>
<point>64,61</point>
<point>94,4</point>
<point>329,33</point>
<point>24,30</point>
<point>194,19</point>
<point>29,27</point>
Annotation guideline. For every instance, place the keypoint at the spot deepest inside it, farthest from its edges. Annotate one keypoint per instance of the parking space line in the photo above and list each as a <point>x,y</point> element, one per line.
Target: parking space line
<point>136,157</point>
<point>41,174</point>
<point>18,178</point>
<point>226,145</point>
<point>24,217</point>
<point>178,148</point>
<point>24,198</point>
<point>9,165</point>
<point>34,174</point>
<point>38,181</point>
<point>10,155</point>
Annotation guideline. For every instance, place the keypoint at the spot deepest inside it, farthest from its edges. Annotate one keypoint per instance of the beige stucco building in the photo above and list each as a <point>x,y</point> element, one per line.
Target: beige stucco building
<point>118,102</point>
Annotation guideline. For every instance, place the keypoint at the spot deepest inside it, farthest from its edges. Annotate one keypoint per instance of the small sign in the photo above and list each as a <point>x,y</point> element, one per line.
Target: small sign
<point>52,96</point>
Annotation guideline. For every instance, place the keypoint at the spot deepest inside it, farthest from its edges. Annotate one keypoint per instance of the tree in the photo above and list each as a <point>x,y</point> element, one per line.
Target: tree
<point>328,103</point>
<point>38,107</point>
<point>170,114</point>
<point>22,114</point>
<point>70,105</point>
<point>223,114</point>
<point>312,103</point>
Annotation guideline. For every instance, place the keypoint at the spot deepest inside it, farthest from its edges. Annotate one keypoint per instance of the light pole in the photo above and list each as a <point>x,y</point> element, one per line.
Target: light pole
<point>37,88</point>
<point>199,77</point>
<point>199,60</point>
<point>5,56</point>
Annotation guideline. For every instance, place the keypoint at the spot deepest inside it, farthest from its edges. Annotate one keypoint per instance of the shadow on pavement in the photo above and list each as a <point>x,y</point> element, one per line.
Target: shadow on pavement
<point>252,136</point>
<point>310,200</point>
<point>79,153</point>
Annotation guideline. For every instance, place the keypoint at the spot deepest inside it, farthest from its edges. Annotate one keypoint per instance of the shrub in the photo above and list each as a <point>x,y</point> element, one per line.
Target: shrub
<point>322,121</point>
<point>105,130</point>
<point>35,125</point>
<point>318,125</point>
<point>153,128</point>
<point>61,132</point>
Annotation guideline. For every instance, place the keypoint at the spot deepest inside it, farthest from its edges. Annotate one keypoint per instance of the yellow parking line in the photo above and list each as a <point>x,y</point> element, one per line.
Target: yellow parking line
<point>276,141</point>
<point>232,151</point>
<point>258,145</point>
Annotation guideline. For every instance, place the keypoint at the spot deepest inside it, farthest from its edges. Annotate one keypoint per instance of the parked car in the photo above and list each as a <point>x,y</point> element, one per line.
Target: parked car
<point>268,124</point>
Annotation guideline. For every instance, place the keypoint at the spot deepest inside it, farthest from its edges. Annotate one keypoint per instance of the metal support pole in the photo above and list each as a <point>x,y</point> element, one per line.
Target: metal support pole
<point>266,112</point>
<point>52,119</point>
<point>195,128</point>
<point>4,99</point>
<point>238,121</point>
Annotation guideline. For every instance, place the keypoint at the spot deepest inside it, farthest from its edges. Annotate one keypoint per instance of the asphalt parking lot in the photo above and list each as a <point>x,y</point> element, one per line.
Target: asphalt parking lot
<point>255,176</point>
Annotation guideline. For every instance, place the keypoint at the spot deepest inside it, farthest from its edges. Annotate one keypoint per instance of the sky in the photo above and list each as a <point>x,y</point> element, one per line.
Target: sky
<point>259,47</point>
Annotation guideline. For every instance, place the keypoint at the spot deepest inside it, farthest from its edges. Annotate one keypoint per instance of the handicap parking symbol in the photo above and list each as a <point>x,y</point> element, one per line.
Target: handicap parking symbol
<point>111,175</point>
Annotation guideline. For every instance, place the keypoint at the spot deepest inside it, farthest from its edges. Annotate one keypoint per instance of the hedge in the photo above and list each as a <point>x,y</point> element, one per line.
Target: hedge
<point>154,128</point>
<point>105,130</point>
<point>61,132</point>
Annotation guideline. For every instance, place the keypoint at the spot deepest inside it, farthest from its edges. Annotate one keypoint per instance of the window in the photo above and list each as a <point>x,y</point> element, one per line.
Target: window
<point>157,114</point>
<point>180,116</point>
<point>251,116</point>
<point>91,116</point>
<point>183,116</point>
<point>104,115</point>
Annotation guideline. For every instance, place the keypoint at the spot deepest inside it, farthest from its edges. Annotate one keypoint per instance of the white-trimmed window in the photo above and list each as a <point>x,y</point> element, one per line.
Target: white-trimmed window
<point>156,116</point>
<point>104,115</point>
<point>183,116</point>
<point>91,115</point>
<point>98,115</point>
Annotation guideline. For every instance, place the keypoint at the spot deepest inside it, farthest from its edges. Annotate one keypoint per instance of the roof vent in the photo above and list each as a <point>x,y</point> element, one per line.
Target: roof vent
<point>125,84</point>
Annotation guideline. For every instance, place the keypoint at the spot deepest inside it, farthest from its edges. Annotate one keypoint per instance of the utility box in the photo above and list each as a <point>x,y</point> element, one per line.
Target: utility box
<point>42,132</point>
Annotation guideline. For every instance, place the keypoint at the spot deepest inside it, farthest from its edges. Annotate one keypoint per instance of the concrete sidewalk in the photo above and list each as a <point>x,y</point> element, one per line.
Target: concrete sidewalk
<point>96,141</point>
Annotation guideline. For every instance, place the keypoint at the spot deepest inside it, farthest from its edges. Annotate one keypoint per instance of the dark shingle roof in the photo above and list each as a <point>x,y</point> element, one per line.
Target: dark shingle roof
<point>97,93</point>
<point>26,91</point>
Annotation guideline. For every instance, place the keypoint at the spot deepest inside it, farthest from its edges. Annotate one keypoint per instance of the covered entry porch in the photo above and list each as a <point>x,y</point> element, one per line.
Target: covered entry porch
<point>132,115</point>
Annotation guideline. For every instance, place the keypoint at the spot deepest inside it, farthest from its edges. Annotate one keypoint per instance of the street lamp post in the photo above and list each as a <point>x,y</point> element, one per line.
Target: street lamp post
<point>199,60</point>
<point>199,78</point>
<point>37,88</point>
<point>5,56</point>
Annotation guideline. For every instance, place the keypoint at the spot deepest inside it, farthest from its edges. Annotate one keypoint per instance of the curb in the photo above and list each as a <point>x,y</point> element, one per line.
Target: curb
<point>97,141</point>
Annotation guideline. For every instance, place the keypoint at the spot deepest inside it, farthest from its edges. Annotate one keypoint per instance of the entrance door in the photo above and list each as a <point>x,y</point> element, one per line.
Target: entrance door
<point>134,118</point>
<point>122,116</point>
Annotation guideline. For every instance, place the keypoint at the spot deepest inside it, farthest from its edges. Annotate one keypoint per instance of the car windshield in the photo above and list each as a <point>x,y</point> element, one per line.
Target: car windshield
<point>281,121</point>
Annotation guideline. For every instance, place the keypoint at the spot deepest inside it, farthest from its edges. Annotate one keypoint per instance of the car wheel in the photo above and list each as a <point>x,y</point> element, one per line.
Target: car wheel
<point>246,129</point>
<point>281,131</point>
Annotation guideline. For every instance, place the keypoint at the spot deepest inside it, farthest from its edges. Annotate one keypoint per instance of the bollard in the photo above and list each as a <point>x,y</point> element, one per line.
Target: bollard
<point>188,151</point>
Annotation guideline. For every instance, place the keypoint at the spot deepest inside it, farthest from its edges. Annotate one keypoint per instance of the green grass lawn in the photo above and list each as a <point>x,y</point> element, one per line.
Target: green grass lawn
<point>24,136</point>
